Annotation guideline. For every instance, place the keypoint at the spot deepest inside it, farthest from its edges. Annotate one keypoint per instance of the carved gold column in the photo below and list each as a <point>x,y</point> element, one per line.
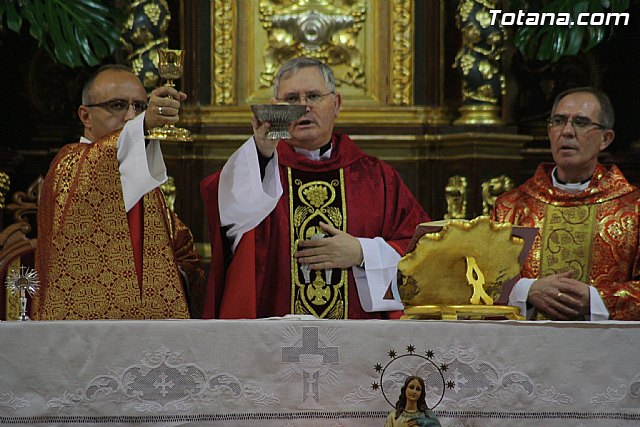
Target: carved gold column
<point>5,183</point>
<point>402,55</point>
<point>224,58</point>
<point>478,62</point>
<point>143,34</point>
<point>168,189</point>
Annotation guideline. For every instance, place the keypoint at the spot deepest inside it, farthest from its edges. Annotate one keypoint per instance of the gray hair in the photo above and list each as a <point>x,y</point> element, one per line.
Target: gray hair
<point>88,85</point>
<point>607,114</point>
<point>298,63</point>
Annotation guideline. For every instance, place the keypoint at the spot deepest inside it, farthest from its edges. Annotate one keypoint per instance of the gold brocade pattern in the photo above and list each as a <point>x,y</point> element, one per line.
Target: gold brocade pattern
<point>323,294</point>
<point>91,271</point>
<point>608,236</point>
<point>567,235</point>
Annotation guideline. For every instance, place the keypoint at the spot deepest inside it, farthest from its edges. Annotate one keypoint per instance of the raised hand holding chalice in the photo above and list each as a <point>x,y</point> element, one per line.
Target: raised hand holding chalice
<point>170,67</point>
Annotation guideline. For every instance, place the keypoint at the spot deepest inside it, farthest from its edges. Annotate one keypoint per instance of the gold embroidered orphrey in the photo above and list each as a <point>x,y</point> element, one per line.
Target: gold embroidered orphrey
<point>323,294</point>
<point>566,240</point>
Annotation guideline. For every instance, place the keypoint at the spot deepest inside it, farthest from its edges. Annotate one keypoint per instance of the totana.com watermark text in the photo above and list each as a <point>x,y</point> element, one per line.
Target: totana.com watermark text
<point>560,18</point>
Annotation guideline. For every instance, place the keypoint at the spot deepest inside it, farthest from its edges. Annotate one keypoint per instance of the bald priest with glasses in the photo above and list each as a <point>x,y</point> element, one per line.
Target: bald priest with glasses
<point>108,246</point>
<point>309,225</point>
<point>585,262</point>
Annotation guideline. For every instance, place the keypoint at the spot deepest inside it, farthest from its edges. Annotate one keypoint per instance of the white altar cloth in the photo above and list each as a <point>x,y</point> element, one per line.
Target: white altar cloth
<point>317,372</point>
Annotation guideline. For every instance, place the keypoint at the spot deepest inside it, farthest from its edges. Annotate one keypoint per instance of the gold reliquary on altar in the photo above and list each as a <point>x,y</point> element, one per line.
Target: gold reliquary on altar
<point>459,269</point>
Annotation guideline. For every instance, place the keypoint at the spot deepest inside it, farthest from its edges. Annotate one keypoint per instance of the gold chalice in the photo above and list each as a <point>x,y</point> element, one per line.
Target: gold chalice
<point>170,66</point>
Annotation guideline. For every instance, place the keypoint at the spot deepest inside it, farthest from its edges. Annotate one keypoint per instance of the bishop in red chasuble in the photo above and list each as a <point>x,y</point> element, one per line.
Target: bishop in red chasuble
<point>351,191</point>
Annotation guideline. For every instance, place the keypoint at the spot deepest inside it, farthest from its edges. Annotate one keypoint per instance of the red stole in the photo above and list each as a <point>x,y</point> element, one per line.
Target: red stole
<point>134,218</point>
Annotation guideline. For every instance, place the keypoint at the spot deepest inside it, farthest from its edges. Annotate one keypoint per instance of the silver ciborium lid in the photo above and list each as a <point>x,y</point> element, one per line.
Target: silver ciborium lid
<point>279,115</point>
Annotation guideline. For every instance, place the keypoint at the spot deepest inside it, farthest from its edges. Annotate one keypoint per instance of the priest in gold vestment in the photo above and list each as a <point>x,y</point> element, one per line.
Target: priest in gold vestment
<point>585,262</point>
<point>108,246</point>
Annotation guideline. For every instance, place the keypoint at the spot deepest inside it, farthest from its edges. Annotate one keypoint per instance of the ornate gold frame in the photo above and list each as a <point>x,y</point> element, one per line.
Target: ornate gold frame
<point>239,40</point>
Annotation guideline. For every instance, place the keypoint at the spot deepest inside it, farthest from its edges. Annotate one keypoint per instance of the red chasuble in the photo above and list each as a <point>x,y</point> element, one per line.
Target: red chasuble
<point>257,282</point>
<point>594,232</point>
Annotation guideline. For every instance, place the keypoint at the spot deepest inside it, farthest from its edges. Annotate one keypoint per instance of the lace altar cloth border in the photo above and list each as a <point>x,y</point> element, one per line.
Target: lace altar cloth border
<point>317,372</point>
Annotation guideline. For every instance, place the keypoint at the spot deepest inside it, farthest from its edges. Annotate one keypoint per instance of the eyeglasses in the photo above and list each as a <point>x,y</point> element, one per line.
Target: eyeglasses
<point>119,106</point>
<point>311,98</point>
<point>579,123</point>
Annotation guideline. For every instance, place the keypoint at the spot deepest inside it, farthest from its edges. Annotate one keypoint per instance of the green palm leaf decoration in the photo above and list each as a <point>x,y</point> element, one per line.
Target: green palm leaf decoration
<point>552,42</point>
<point>73,32</point>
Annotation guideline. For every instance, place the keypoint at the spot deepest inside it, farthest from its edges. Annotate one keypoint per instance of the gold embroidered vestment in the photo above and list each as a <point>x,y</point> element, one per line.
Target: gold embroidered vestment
<point>85,257</point>
<point>595,233</point>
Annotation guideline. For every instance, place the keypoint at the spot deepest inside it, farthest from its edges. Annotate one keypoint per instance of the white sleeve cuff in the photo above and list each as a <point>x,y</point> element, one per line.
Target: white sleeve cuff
<point>372,282</point>
<point>519,294</point>
<point>598,309</point>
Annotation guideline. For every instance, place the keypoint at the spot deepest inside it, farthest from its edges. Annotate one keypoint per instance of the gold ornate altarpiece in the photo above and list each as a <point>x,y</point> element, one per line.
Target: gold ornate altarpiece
<point>368,43</point>
<point>256,37</point>
<point>382,67</point>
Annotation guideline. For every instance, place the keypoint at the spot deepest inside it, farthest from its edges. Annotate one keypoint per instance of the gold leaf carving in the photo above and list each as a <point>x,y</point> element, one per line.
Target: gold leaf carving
<point>223,57</point>
<point>456,195</point>
<point>402,53</point>
<point>317,29</point>
<point>491,189</point>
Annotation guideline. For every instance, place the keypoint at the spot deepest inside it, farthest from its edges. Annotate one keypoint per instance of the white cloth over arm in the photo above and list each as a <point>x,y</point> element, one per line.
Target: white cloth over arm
<point>142,167</point>
<point>520,293</point>
<point>245,200</point>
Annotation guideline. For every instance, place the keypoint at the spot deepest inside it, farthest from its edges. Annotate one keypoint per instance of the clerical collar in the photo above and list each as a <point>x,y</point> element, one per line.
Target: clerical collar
<point>322,153</point>
<point>570,187</point>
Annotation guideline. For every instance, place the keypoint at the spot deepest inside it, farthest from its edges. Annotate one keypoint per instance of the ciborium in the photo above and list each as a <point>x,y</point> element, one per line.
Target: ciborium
<point>170,68</point>
<point>21,282</point>
<point>280,116</point>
